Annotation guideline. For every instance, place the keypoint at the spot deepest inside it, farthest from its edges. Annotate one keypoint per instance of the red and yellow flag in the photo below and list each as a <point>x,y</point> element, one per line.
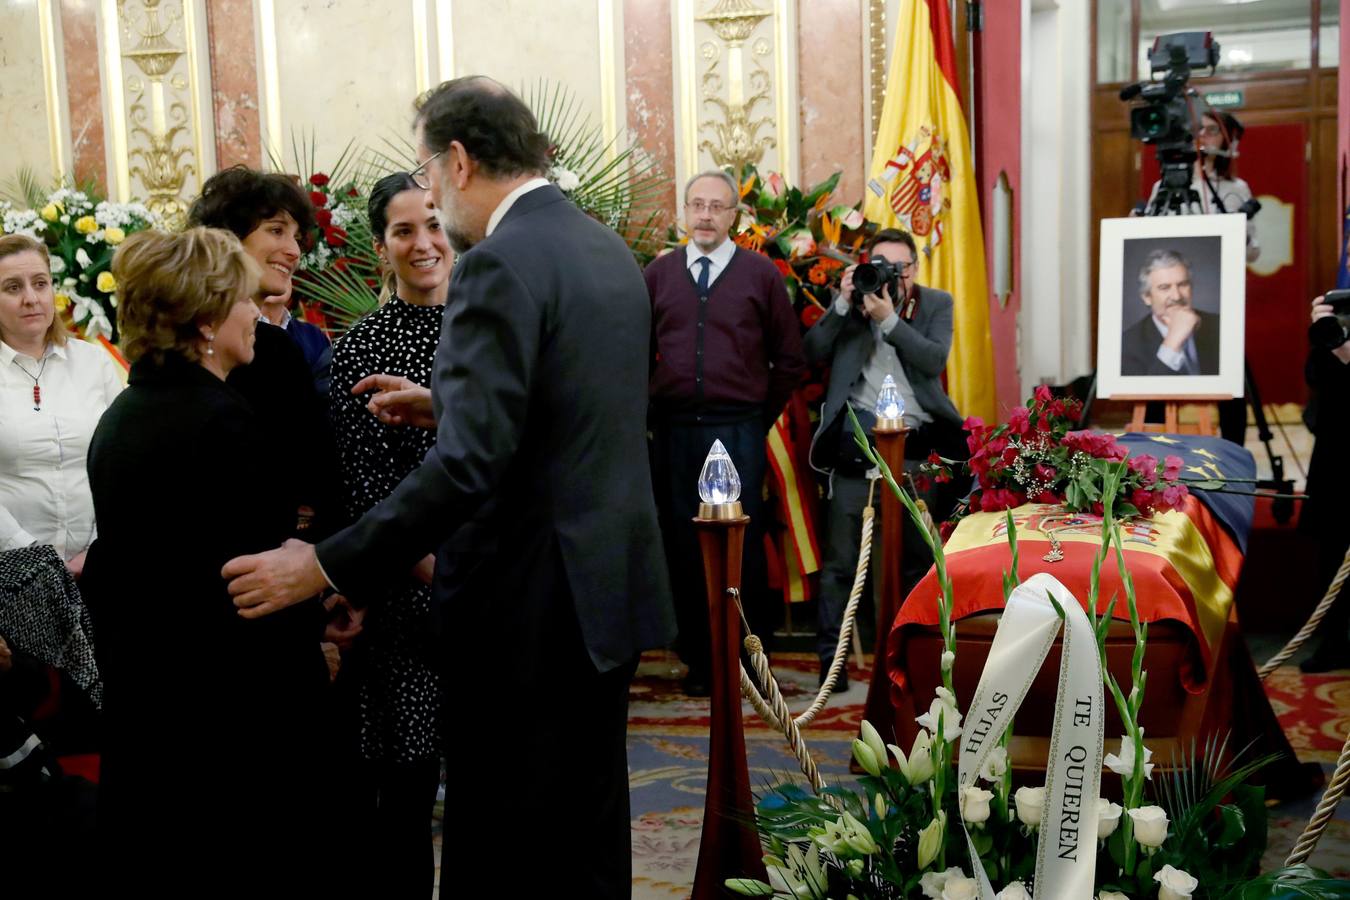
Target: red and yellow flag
<point>922,180</point>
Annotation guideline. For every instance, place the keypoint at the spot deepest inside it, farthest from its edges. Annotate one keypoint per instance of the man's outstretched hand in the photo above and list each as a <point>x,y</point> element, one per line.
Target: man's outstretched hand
<point>264,583</point>
<point>397,400</point>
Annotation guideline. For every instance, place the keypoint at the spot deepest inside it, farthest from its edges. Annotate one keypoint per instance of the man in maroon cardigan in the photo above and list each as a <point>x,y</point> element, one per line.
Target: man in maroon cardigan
<point>727,354</point>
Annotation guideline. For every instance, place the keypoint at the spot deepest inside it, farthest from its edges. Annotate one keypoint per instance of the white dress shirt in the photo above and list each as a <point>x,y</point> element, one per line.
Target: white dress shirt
<point>718,259</point>
<point>509,200</point>
<point>44,485</point>
<point>1175,359</point>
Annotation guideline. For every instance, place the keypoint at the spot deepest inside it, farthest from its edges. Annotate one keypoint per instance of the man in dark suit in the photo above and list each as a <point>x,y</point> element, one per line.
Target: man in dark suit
<point>1175,338</point>
<point>555,586</point>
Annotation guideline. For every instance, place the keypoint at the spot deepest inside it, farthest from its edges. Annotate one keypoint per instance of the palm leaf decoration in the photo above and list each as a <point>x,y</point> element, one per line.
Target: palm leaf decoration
<point>619,185</point>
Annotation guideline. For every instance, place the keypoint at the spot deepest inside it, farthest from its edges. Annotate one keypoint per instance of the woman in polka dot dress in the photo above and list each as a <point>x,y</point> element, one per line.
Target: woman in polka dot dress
<point>391,675</point>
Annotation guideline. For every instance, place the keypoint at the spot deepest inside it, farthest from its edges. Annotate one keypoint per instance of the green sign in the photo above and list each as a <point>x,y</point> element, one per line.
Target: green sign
<point>1224,99</point>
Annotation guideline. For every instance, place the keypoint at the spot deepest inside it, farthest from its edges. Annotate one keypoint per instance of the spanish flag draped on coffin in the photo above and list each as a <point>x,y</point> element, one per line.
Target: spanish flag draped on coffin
<point>1184,565</point>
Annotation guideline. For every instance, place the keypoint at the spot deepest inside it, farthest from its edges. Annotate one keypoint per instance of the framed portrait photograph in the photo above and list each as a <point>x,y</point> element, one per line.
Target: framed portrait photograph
<point>1171,306</point>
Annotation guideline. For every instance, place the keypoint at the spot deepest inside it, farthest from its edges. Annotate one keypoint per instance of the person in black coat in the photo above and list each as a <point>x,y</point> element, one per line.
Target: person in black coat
<point>1175,338</point>
<point>539,399</point>
<point>273,218</point>
<point>211,722</point>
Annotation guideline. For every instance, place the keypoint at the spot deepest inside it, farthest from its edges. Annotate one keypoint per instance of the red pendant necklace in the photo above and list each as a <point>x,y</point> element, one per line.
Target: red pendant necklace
<point>37,388</point>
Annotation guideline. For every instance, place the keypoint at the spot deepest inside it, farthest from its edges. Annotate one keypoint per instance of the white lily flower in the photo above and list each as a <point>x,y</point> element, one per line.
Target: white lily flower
<point>874,742</point>
<point>918,766</point>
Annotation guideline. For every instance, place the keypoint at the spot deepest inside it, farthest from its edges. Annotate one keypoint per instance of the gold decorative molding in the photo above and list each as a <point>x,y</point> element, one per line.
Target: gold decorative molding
<point>51,81</point>
<point>735,74</point>
<point>876,57</point>
<point>162,128</point>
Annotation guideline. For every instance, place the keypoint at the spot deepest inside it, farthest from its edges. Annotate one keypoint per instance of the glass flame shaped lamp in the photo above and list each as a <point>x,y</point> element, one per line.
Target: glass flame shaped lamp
<point>890,409</point>
<point>719,486</point>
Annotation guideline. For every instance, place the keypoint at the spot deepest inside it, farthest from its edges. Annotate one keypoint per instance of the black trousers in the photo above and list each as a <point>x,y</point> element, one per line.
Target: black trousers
<point>848,497</point>
<point>391,828</point>
<point>538,792</point>
<point>678,453</point>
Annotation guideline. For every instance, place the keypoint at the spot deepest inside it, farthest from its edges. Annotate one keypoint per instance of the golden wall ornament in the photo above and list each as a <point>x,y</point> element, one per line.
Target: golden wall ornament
<point>735,140</point>
<point>160,109</point>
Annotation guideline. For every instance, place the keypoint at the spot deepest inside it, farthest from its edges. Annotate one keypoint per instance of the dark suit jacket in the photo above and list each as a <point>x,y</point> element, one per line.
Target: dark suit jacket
<point>1140,342</point>
<point>540,390</point>
<point>922,345</point>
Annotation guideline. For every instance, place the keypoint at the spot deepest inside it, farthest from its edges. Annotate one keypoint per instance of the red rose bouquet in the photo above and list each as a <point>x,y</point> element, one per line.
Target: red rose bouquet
<point>1037,456</point>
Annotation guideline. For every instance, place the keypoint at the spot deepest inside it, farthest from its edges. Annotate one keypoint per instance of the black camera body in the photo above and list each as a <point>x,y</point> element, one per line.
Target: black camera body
<point>870,277</point>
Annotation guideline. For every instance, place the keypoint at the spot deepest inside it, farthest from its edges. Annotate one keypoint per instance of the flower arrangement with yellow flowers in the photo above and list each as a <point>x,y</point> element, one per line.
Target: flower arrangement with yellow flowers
<point>81,232</point>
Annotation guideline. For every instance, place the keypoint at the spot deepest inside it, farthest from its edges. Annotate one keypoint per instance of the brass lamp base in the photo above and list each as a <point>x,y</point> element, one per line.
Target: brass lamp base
<point>720,511</point>
<point>889,425</point>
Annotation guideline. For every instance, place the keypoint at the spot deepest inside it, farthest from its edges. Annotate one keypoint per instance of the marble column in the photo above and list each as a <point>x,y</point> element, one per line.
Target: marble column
<point>830,87</point>
<point>84,90</point>
<point>648,70</point>
<point>234,83</point>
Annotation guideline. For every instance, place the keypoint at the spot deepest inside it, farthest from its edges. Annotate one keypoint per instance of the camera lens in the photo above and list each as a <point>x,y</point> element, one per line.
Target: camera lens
<point>867,278</point>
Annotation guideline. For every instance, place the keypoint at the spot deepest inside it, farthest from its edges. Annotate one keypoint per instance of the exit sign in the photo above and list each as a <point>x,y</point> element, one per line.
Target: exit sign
<point>1224,99</point>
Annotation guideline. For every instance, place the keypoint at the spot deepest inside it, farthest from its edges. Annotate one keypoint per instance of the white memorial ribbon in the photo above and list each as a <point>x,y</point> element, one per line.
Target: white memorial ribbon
<point>1066,855</point>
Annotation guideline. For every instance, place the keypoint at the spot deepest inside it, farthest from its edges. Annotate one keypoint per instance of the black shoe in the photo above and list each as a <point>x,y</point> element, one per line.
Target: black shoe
<point>1326,659</point>
<point>696,686</point>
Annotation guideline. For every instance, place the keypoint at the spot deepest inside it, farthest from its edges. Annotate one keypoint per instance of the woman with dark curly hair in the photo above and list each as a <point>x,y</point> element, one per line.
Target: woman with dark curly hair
<point>213,727</point>
<point>272,216</point>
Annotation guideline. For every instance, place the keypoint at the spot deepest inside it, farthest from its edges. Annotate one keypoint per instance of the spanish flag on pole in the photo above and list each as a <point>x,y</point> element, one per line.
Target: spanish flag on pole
<point>922,180</point>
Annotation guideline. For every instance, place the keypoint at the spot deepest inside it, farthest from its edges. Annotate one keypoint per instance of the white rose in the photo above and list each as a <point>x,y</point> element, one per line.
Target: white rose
<point>1015,891</point>
<point>961,888</point>
<point>975,804</point>
<point>933,883</point>
<point>1112,895</point>
<point>944,707</point>
<point>995,765</point>
<point>1108,817</point>
<point>567,180</point>
<point>1030,802</point>
<point>1174,883</point>
<point>1150,825</point>
<point>1124,763</point>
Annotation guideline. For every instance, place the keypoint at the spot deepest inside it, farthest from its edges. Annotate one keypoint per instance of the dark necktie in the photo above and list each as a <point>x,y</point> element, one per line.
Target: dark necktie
<point>705,265</point>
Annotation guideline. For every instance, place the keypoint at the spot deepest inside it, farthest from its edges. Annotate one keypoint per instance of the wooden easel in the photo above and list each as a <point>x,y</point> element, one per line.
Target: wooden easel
<point>1171,423</point>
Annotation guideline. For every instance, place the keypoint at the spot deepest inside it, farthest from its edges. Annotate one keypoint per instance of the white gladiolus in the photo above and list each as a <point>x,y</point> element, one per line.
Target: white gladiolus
<point>1123,764</point>
<point>1150,825</point>
<point>1174,884</point>
<point>995,765</point>
<point>1030,803</point>
<point>944,707</point>
<point>1108,818</point>
<point>975,804</point>
<point>948,660</point>
<point>918,766</point>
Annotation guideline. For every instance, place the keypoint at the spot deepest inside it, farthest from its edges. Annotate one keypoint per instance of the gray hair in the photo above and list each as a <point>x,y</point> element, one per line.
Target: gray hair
<point>720,176</point>
<point>1160,259</point>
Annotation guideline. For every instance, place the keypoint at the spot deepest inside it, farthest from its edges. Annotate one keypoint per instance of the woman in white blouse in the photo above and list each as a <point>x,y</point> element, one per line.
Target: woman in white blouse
<point>53,390</point>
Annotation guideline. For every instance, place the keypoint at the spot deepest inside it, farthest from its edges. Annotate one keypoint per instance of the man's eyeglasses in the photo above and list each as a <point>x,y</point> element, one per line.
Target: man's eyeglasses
<point>714,208</point>
<point>906,267</point>
<point>1211,130</point>
<point>420,176</point>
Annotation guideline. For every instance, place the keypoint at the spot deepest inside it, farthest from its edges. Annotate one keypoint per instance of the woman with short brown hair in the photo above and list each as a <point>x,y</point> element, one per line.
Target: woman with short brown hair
<point>195,695</point>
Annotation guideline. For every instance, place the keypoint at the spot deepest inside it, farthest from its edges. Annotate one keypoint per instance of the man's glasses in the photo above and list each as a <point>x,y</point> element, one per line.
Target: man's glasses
<point>1210,130</point>
<point>906,267</point>
<point>700,207</point>
<point>420,176</point>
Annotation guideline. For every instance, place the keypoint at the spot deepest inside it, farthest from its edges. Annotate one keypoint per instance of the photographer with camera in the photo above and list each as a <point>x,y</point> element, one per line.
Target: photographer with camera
<point>881,323</point>
<point>1328,375</point>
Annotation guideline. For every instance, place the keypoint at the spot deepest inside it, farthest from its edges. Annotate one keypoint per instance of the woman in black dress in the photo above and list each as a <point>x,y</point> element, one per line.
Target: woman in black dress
<point>209,777</point>
<point>390,678</point>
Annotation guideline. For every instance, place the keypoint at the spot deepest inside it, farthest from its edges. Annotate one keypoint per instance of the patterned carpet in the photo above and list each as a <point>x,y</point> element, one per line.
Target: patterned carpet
<point>667,758</point>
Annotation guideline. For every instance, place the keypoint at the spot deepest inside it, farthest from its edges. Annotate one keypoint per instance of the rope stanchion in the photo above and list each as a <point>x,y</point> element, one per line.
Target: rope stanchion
<point>1331,798</point>
<point>1310,626</point>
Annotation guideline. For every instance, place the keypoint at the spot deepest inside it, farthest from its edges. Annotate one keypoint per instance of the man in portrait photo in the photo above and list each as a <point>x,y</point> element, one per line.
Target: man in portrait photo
<point>1174,338</point>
